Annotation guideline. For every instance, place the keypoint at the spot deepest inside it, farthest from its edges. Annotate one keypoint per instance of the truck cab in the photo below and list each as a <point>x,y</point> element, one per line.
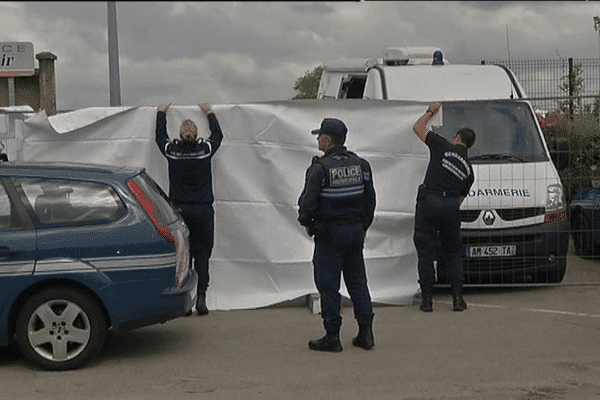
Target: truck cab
<point>514,222</point>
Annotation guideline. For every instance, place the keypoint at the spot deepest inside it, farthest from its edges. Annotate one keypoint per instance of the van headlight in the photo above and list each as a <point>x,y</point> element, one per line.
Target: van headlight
<point>555,198</point>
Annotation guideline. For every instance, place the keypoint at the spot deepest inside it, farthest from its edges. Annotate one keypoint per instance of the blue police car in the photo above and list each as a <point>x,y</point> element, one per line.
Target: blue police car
<point>584,214</point>
<point>86,248</point>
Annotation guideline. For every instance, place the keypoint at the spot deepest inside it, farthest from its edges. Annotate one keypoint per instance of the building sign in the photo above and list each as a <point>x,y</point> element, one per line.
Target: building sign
<point>16,59</point>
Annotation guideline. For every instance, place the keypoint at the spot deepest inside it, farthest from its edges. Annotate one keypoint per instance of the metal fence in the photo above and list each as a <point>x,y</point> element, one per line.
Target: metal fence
<point>558,84</point>
<point>571,88</point>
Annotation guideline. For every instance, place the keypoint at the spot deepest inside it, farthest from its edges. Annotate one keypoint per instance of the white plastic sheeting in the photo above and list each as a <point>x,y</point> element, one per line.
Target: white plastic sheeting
<point>262,255</point>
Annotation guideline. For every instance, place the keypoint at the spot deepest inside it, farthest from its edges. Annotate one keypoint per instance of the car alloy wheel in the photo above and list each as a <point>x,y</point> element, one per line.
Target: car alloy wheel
<point>60,329</point>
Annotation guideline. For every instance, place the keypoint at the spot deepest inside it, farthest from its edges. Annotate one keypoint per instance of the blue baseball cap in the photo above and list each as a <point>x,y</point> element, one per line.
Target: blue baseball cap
<point>332,127</point>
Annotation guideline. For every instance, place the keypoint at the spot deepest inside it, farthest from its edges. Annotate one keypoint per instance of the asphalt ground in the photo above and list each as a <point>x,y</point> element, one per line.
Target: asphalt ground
<point>525,343</point>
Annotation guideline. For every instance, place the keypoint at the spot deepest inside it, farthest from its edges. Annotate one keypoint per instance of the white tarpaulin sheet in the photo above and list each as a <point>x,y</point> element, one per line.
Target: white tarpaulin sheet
<point>262,255</point>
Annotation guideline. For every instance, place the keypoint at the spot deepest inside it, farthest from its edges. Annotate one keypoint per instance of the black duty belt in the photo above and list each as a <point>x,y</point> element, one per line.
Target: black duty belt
<point>439,192</point>
<point>343,221</point>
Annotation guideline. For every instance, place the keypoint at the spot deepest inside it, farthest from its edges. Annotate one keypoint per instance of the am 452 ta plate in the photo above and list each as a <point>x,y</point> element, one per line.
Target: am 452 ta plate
<point>491,251</point>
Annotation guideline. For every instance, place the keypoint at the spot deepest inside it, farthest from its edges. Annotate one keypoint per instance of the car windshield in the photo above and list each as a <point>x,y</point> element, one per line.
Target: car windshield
<point>506,131</point>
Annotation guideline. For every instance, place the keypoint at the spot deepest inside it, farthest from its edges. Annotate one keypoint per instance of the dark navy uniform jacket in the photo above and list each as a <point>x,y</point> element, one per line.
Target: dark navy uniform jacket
<point>449,167</point>
<point>338,186</point>
<point>190,175</point>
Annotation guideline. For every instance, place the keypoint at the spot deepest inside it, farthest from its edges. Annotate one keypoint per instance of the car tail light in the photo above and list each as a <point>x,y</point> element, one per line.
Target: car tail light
<point>182,258</point>
<point>150,209</point>
<point>175,237</point>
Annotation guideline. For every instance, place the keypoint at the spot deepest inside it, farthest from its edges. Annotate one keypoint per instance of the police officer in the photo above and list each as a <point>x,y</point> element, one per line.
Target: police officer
<point>190,186</point>
<point>447,182</point>
<point>337,206</point>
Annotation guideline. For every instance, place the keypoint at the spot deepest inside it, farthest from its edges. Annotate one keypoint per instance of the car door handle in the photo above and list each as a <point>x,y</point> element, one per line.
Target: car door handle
<point>6,252</point>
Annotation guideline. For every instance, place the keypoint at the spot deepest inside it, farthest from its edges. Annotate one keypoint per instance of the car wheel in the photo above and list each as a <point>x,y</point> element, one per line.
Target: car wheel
<point>60,328</point>
<point>582,236</point>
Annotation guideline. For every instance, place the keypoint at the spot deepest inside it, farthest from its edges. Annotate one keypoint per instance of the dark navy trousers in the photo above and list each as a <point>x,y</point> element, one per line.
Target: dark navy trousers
<point>200,220</point>
<point>437,222</point>
<point>339,249</point>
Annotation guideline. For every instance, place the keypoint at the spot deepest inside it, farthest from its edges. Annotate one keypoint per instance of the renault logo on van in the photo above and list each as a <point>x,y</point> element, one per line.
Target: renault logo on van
<point>488,217</point>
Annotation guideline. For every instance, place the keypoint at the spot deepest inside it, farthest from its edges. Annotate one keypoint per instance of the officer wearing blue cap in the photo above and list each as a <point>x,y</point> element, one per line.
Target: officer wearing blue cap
<point>337,206</point>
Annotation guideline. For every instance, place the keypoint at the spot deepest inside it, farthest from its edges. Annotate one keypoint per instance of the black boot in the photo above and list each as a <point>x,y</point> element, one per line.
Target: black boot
<point>201,308</point>
<point>458,302</point>
<point>427,302</point>
<point>365,337</point>
<point>329,342</point>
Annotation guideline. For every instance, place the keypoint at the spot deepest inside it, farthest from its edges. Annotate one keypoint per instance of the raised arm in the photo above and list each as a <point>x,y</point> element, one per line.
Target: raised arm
<point>420,127</point>
<point>216,134</point>
<point>161,136</point>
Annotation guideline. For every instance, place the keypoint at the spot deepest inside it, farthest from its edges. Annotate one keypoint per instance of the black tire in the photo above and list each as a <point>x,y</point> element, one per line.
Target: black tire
<point>581,232</point>
<point>557,275</point>
<point>552,274</point>
<point>60,328</point>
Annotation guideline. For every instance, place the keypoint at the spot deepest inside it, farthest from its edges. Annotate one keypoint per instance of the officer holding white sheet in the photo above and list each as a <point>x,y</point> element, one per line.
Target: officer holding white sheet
<point>447,182</point>
<point>190,186</point>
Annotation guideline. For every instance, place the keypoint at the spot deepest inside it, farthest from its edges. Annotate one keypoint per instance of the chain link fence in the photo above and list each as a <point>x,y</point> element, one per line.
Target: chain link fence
<point>567,86</point>
<point>566,96</point>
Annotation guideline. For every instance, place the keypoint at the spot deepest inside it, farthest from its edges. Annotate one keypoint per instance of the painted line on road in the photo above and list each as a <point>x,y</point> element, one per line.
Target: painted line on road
<point>484,305</point>
<point>536,310</point>
<point>561,312</point>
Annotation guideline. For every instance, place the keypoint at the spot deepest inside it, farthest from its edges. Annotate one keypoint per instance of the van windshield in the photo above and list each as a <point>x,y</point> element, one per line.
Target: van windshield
<point>506,131</point>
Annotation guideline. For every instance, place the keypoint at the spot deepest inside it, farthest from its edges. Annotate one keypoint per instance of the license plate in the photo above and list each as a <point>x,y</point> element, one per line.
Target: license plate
<point>492,251</point>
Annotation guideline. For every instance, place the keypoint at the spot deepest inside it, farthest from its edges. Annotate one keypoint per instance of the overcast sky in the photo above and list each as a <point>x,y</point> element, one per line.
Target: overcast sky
<point>226,52</point>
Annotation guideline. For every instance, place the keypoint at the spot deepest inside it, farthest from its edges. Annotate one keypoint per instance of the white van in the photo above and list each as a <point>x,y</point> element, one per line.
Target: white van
<point>514,223</point>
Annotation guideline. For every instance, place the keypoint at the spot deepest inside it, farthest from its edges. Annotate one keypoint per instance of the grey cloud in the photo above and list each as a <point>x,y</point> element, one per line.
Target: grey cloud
<point>176,50</point>
<point>313,8</point>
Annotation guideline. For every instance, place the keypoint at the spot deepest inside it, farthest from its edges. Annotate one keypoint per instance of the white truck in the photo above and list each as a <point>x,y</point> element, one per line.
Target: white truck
<point>514,223</point>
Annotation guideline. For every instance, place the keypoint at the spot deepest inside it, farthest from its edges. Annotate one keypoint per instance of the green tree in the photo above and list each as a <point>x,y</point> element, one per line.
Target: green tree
<point>307,86</point>
<point>572,86</point>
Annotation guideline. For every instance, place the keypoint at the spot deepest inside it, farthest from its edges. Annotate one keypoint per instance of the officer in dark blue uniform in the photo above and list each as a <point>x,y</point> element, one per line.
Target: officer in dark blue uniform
<point>447,182</point>
<point>337,206</point>
<point>190,186</point>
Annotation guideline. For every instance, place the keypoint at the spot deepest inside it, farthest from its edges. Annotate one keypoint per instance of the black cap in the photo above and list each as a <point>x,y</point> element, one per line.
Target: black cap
<point>332,127</point>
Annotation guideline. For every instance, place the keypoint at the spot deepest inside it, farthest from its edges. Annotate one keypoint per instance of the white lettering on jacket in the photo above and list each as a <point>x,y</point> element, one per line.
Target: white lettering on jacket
<point>344,176</point>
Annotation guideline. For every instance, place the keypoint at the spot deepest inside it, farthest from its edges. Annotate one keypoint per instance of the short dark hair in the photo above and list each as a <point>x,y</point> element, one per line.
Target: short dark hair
<point>337,141</point>
<point>467,136</point>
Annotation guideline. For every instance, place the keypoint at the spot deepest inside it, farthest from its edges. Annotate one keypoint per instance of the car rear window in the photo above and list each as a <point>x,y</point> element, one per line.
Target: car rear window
<point>64,202</point>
